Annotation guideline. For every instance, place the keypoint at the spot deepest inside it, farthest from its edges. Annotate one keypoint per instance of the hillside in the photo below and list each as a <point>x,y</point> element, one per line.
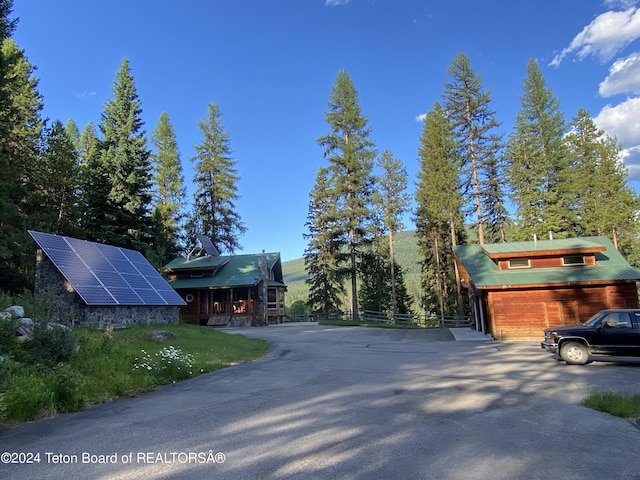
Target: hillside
<point>406,253</point>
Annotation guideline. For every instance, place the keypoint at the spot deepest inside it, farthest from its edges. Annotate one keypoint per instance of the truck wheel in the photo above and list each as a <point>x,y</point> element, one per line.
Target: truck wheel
<point>574,353</point>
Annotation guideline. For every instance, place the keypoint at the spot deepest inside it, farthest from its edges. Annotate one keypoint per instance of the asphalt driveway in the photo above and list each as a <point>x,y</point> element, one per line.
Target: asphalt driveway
<point>350,403</point>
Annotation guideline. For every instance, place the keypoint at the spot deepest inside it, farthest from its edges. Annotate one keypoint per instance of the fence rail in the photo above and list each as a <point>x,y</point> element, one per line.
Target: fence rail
<point>429,321</point>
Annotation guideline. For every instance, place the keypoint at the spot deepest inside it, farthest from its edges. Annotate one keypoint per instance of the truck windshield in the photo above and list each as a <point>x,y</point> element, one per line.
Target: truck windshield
<point>593,321</point>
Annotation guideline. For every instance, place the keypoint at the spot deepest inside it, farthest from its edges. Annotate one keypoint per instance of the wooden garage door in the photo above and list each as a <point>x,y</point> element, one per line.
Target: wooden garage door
<point>527,314</point>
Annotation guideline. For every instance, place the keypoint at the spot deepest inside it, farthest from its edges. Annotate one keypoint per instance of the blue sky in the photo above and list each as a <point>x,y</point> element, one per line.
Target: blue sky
<point>270,65</point>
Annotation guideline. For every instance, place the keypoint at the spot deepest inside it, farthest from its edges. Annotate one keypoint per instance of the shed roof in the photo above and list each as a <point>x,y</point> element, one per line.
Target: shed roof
<point>484,272</point>
<point>232,271</point>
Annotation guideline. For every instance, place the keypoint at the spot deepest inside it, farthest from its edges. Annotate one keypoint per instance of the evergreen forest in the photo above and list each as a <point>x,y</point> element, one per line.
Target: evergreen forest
<point>109,182</point>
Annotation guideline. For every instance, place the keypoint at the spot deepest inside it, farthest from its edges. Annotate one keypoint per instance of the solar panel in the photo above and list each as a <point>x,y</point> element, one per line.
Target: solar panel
<point>106,275</point>
<point>208,245</point>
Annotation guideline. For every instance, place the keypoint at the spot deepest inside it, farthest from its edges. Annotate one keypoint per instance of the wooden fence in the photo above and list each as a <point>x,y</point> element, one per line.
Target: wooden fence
<point>429,321</point>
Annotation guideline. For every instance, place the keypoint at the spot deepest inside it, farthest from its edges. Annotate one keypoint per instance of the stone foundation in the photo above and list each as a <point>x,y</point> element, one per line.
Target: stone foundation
<point>240,321</point>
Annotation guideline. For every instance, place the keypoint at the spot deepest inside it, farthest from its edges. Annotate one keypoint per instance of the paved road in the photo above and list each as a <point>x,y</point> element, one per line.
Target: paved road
<point>352,403</point>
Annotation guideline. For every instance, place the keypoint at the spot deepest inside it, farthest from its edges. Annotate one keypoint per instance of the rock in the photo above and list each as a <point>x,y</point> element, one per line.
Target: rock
<point>57,325</point>
<point>163,335</point>
<point>24,327</point>
<point>15,310</point>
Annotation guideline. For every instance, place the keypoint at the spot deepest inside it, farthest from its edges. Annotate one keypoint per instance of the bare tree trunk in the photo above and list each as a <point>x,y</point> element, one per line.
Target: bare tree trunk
<point>455,266</point>
<point>354,287</point>
<point>439,283</point>
<point>394,300</point>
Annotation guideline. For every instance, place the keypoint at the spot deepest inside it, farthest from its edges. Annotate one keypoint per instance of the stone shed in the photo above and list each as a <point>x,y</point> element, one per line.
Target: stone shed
<point>96,285</point>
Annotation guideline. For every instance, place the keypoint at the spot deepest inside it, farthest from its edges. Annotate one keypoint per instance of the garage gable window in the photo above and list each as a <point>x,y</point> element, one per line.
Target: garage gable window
<point>573,260</point>
<point>519,263</point>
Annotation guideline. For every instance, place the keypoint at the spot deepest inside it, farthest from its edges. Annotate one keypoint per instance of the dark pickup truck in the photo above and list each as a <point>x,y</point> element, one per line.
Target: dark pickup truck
<point>609,332</point>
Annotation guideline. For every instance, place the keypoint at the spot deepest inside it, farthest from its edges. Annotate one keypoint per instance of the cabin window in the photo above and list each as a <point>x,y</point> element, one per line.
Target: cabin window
<point>573,260</point>
<point>197,274</point>
<point>519,263</point>
<point>272,298</point>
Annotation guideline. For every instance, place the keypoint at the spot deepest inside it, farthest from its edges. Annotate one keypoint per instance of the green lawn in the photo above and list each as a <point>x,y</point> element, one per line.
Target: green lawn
<point>37,380</point>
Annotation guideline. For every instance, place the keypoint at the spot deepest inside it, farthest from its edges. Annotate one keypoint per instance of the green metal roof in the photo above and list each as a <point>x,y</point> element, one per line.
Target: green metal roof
<point>195,263</point>
<point>232,271</point>
<point>542,245</point>
<point>610,264</point>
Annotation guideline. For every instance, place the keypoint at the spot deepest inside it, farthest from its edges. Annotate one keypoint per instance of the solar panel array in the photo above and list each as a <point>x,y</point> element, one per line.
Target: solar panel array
<point>106,275</point>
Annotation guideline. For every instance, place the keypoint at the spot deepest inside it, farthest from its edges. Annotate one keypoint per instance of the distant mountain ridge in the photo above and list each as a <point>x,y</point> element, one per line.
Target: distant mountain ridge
<point>405,248</point>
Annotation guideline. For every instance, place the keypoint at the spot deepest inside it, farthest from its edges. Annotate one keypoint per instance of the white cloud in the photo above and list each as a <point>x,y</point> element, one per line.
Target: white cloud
<point>421,117</point>
<point>631,158</point>
<point>620,3</point>
<point>621,121</point>
<point>624,76</point>
<point>335,3</point>
<point>605,36</point>
<point>86,95</point>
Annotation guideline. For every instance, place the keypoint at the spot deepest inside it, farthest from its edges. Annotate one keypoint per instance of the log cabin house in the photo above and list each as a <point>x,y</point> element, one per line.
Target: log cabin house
<point>229,290</point>
<point>517,289</point>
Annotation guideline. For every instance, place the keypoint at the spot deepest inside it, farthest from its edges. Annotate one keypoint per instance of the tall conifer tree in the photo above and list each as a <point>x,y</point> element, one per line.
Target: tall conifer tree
<point>468,107</point>
<point>350,153</point>
<point>93,188</point>
<point>603,200</point>
<point>120,190</point>
<point>20,135</point>
<point>393,202</point>
<point>537,163</point>
<point>438,215</point>
<point>322,256</point>
<point>55,185</point>
<point>170,192</point>
<point>216,181</point>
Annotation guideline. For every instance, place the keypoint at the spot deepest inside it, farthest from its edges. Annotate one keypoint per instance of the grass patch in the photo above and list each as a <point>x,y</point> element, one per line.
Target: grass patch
<point>107,365</point>
<point>623,405</point>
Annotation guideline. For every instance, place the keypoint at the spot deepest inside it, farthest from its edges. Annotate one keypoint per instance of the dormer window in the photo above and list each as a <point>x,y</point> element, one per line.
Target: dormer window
<point>519,263</point>
<point>573,260</point>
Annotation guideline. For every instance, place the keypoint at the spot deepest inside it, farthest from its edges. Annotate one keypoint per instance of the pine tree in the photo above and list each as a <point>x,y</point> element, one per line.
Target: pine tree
<point>468,108</point>
<point>20,136</point>
<point>170,192</point>
<point>322,256</point>
<point>394,203</point>
<point>92,181</point>
<point>603,200</point>
<point>119,203</point>
<point>537,163</point>
<point>71,128</point>
<point>438,215</point>
<point>7,25</point>
<point>376,292</point>
<point>216,181</point>
<point>493,202</point>
<point>87,143</point>
<point>350,154</point>
<point>55,185</point>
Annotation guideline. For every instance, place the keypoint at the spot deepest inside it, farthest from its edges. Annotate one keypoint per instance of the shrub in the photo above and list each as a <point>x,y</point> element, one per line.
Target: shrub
<point>107,341</point>
<point>49,345</point>
<point>26,398</point>
<point>8,338</point>
<point>66,386</point>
